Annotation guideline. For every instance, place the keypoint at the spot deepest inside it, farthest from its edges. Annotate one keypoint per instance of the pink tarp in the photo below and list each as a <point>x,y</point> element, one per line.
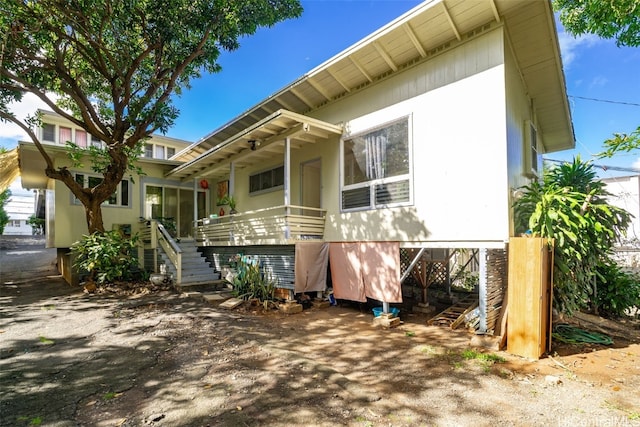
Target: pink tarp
<point>311,266</point>
<point>366,269</point>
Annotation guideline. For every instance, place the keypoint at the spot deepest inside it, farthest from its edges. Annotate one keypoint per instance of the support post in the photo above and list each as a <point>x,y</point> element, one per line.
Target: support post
<point>482,291</point>
<point>287,186</point>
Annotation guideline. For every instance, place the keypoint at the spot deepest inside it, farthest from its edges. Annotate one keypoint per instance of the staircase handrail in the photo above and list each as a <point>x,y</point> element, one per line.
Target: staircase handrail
<point>171,248</point>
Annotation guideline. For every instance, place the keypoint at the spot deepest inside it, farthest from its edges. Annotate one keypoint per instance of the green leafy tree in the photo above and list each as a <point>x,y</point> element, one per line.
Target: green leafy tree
<point>570,206</point>
<point>618,20</point>
<point>111,67</point>
<point>4,216</point>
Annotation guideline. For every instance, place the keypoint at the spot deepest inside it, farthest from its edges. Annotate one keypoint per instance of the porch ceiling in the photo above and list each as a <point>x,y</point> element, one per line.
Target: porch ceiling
<point>257,143</point>
<point>416,36</point>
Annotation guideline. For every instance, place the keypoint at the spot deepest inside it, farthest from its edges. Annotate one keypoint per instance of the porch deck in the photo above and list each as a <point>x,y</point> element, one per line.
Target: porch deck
<point>278,225</point>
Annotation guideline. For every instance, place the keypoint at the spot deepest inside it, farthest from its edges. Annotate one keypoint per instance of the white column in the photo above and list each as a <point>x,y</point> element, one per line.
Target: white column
<point>287,184</point>
<point>232,179</point>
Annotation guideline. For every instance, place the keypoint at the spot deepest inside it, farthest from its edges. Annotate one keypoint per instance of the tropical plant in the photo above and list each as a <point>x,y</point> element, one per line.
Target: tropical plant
<point>251,282</point>
<point>112,67</point>
<point>107,256</point>
<point>570,207</point>
<point>617,290</point>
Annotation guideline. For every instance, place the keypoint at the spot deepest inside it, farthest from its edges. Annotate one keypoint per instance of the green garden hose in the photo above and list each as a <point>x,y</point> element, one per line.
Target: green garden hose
<point>572,335</point>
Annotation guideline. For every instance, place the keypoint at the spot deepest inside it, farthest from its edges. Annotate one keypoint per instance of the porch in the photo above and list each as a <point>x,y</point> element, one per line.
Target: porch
<point>278,225</point>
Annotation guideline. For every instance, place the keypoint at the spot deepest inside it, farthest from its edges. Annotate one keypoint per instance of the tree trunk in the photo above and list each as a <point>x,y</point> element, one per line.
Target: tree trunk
<point>93,214</point>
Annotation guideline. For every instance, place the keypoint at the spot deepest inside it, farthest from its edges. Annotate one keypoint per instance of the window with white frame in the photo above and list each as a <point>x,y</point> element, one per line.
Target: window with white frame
<point>268,180</point>
<point>14,223</point>
<point>48,132</point>
<point>96,142</point>
<point>120,197</point>
<point>81,138</point>
<point>158,151</point>
<point>64,135</point>
<point>376,168</point>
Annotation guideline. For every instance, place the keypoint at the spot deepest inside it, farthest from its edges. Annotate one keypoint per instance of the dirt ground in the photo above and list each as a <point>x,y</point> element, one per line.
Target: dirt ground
<point>72,359</point>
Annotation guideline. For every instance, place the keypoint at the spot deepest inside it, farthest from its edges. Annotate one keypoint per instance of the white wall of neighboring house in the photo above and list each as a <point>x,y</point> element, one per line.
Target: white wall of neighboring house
<point>20,207</point>
<point>625,193</point>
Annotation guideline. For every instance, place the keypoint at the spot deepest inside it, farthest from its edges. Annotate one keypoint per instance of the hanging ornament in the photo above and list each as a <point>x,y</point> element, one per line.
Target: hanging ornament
<point>221,213</point>
<point>204,184</point>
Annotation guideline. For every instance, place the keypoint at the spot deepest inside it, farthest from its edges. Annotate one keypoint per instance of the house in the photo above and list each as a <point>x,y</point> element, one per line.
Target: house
<point>19,208</point>
<point>393,154</point>
<point>136,196</point>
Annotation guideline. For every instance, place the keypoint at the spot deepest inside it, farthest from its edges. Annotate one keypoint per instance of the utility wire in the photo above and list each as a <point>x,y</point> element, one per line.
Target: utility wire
<point>603,167</point>
<point>633,104</point>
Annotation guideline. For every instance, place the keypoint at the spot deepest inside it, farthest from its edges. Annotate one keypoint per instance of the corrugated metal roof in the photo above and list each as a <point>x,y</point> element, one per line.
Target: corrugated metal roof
<point>416,36</point>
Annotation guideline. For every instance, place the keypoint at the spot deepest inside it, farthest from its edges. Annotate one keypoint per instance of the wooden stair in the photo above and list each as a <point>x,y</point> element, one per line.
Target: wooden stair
<point>454,315</point>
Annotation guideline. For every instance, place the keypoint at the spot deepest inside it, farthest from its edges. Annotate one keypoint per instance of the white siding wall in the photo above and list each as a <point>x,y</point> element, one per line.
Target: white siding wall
<point>625,193</point>
<point>458,114</point>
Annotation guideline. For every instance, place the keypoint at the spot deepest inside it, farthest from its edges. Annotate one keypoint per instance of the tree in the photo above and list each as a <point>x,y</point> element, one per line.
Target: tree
<point>4,216</point>
<point>570,206</point>
<point>112,66</point>
<point>619,20</point>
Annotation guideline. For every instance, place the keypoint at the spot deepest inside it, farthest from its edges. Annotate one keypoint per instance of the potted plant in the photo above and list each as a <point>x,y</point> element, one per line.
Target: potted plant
<point>231,202</point>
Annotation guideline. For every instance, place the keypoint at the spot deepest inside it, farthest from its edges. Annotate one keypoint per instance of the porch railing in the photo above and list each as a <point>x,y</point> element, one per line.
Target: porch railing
<point>276,225</point>
<point>154,235</point>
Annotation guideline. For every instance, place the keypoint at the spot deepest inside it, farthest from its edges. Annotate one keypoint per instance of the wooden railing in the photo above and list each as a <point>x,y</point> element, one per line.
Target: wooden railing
<point>269,226</point>
<point>154,235</point>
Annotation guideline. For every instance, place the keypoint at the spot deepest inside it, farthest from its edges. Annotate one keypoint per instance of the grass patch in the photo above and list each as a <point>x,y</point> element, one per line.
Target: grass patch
<point>33,421</point>
<point>471,354</point>
<point>110,395</point>
<point>409,334</point>
<point>45,341</point>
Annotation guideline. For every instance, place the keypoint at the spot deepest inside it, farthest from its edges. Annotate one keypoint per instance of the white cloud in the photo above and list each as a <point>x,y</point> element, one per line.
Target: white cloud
<point>570,45</point>
<point>12,133</point>
<point>636,164</point>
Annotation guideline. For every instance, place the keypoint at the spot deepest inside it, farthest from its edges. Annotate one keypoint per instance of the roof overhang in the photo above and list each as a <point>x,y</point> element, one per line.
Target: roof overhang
<point>420,34</point>
<point>257,143</point>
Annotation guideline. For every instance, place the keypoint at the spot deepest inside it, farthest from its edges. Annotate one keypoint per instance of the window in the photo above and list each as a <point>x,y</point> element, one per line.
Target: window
<point>268,180</point>
<point>120,197</point>
<point>48,132</point>
<point>14,223</point>
<point>170,152</point>
<point>96,142</point>
<point>81,138</point>
<point>376,168</point>
<point>159,152</point>
<point>64,134</point>
<point>148,150</point>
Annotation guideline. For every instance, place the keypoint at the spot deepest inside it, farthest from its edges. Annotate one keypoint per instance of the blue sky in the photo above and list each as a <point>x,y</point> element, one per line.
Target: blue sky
<point>274,57</point>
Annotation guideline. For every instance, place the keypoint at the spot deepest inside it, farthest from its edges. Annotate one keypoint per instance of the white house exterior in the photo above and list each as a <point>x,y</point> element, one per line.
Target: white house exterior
<point>20,207</point>
<point>414,138</point>
<point>625,194</point>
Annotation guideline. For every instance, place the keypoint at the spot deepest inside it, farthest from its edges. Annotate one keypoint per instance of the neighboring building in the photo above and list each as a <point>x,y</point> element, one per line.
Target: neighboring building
<point>20,207</point>
<point>413,139</point>
<point>625,194</point>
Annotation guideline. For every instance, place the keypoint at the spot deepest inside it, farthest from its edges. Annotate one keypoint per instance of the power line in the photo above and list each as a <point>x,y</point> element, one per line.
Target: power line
<point>633,104</point>
<point>603,167</point>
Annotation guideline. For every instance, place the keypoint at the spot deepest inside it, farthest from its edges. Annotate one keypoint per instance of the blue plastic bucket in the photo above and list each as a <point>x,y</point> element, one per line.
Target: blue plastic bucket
<point>377,311</point>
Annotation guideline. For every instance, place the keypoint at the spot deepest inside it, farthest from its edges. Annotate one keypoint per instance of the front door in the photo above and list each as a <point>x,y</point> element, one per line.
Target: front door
<point>311,186</point>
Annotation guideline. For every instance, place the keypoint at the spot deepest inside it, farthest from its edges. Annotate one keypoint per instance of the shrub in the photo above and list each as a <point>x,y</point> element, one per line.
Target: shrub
<point>106,256</point>
<point>617,290</point>
<point>250,282</point>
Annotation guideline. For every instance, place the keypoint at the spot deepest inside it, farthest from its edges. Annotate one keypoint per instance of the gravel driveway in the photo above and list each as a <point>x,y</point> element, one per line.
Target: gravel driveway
<point>68,359</point>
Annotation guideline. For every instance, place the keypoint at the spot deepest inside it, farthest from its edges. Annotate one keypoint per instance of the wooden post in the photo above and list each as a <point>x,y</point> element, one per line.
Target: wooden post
<point>287,186</point>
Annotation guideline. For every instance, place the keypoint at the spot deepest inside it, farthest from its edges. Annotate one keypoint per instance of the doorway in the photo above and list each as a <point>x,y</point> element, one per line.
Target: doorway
<point>311,186</point>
